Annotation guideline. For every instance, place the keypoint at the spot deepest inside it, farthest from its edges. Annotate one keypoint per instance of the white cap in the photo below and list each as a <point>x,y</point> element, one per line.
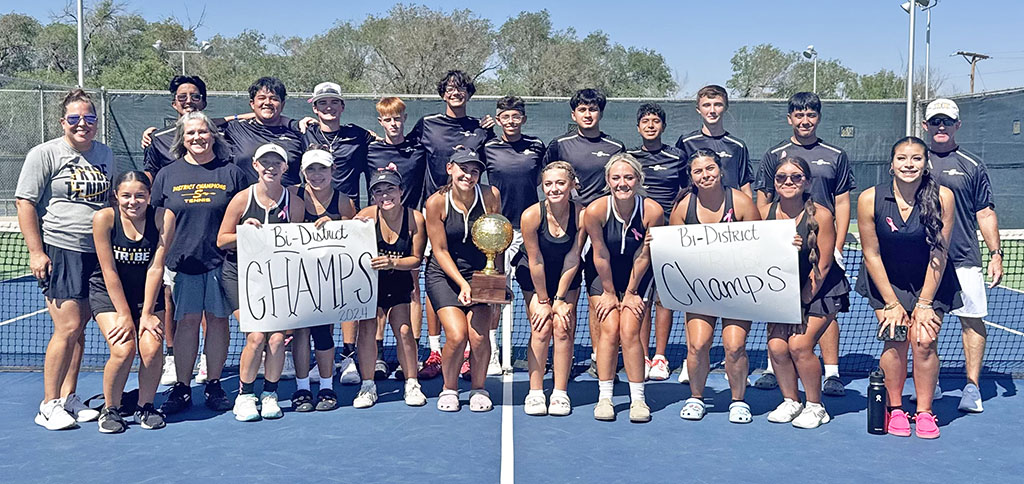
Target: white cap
<point>942,106</point>
<point>316,156</point>
<point>326,90</point>
<point>270,148</point>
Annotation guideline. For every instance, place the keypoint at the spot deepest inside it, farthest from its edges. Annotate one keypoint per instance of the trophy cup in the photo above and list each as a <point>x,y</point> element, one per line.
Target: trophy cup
<point>492,234</point>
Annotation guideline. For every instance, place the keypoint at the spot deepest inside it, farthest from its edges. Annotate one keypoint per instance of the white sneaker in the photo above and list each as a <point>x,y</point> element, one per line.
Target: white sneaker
<point>53,416</point>
<point>494,366</point>
<point>201,375</point>
<point>785,412</point>
<point>74,406</point>
<point>535,404</point>
<point>288,373</point>
<point>414,396</point>
<point>935,396</point>
<point>365,399</point>
<point>349,373</point>
<point>811,417</point>
<point>168,377</point>
<point>560,406</point>
<point>314,373</point>
<point>245,408</point>
<point>684,374</point>
<point>970,402</point>
<point>269,406</point>
<point>659,369</point>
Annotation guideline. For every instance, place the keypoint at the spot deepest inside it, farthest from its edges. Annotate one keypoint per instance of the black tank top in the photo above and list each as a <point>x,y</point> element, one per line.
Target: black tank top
<point>331,210</point>
<point>554,249</point>
<point>624,239</point>
<point>457,227</point>
<point>805,249</point>
<point>401,247</point>
<point>728,214</point>
<point>132,258</point>
<point>278,214</point>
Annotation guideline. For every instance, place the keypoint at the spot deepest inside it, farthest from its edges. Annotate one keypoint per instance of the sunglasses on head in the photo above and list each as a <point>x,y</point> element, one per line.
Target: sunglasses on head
<point>74,119</point>
<point>196,97</point>
<point>795,178</point>
<point>947,122</point>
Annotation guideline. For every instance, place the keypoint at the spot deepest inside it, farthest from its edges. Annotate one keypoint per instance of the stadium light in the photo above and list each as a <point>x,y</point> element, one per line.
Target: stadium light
<point>926,7</point>
<point>910,73</point>
<point>810,53</point>
<point>204,48</point>
<point>81,48</point>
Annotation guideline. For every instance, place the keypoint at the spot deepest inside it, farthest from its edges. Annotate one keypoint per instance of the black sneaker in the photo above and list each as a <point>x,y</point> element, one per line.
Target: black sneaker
<point>592,369</point>
<point>399,374</point>
<point>149,418</point>
<point>381,370</point>
<point>302,401</point>
<point>216,399</point>
<point>326,400</point>
<point>179,398</point>
<point>110,421</point>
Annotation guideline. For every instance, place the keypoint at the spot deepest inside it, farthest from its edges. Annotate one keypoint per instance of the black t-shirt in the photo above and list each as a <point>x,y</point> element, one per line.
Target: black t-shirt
<point>440,134</point>
<point>829,167</point>
<point>588,157</point>
<point>247,135</point>
<point>965,175</point>
<point>158,153</point>
<point>198,195</point>
<point>348,146</point>
<point>665,174</point>
<point>732,151</point>
<point>409,159</point>
<point>515,169</point>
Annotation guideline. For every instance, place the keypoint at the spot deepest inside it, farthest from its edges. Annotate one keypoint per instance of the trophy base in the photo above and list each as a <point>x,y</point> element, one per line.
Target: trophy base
<point>489,289</point>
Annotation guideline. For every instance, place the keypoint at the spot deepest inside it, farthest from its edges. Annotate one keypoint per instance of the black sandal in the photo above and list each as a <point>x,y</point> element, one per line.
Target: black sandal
<point>302,401</point>
<point>326,400</point>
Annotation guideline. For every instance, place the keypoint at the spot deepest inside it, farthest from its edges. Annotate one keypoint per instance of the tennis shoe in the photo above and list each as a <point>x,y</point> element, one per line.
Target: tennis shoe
<point>785,412</point>
<point>659,369</point>
<point>380,370</point>
<point>365,399</point>
<point>149,418</point>
<point>168,376</point>
<point>201,374</point>
<point>494,365</point>
<point>79,410</point>
<point>314,373</point>
<point>53,416</point>
<point>970,402</point>
<point>431,367</point>
<point>414,396</point>
<point>684,374</point>
<point>647,368</point>
<point>179,398</point>
<point>216,399</point>
<point>245,408</point>
<point>111,422</point>
<point>349,372</point>
<point>812,416</point>
<point>269,407</point>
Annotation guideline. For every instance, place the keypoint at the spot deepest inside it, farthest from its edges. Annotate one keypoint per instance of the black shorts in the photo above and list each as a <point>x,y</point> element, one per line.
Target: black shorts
<point>69,273</point>
<point>99,300</point>
<point>595,287</point>
<point>229,282</point>
<point>393,288</point>
<point>521,269</point>
<point>442,291</point>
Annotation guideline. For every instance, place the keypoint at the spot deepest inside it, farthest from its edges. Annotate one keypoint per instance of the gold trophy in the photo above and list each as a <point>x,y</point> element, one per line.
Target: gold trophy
<point>492,234</point>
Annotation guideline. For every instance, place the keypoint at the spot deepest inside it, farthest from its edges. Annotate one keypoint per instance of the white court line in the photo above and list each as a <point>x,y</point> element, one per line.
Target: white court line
<point>1004,328</point>
<point>23,316</point>
<point>507,451</point>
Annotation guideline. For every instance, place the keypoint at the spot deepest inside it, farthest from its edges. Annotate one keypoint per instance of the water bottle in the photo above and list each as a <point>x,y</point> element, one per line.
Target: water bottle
<point>877,418</point>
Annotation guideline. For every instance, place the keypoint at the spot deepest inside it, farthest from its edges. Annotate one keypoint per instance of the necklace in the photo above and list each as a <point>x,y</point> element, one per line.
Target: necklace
<point>330,143</point>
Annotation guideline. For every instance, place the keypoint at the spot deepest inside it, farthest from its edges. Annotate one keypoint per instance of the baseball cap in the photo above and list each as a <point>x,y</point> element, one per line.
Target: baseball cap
<point>316,157</point>
<point>385,176</point>
<point>463,156</point>
<point>270,148</point>
<point>326,90</point>
<point>942,106</point>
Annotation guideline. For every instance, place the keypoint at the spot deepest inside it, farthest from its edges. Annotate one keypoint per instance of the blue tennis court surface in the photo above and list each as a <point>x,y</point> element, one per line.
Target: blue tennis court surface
<point>394,443</point>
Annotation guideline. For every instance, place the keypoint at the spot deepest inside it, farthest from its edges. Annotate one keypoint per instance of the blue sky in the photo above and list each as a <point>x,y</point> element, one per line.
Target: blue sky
<point>696,40</point>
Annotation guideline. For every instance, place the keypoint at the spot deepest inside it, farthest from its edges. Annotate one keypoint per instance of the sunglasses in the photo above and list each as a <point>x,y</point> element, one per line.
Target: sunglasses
<point>947,122</point>
<point>796,178</point>
<point>195,97</point>
<point>74,119</point>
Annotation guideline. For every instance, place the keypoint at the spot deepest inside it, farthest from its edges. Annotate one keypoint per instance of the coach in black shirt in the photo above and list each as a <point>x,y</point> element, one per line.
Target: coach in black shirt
<point>266,97</point>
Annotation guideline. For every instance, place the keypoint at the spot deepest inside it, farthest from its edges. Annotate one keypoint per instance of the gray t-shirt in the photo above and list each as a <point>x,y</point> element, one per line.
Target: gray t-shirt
<point>67,187</point>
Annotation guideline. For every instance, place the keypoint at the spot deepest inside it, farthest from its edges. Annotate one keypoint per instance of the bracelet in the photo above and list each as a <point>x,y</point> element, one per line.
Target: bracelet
<point>927,301</point>
<point>891,306</point>
<point>559,298</point>
<point>998,252</point>
<point>633,292</point>
<point>923,306</point>
<point>544,301</point>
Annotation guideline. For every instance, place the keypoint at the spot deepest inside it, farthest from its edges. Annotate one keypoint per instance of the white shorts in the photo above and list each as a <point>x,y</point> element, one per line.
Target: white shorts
<point>838,259</point>
<point>513,249</point>
<point>169,278</point>
<point>972,291</point>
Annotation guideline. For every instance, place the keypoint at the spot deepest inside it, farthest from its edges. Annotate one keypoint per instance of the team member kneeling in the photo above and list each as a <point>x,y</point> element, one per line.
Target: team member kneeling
<point>126,297</point>
<point>709,201</point>
<point>265,202</point>
<point>547,269</point>
<point>401,240</point>
<point>823,293</point>
<point>621,263</point>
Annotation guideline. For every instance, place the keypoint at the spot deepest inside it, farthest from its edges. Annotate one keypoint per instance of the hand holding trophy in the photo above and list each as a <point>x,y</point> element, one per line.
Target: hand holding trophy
<point>492,234</point>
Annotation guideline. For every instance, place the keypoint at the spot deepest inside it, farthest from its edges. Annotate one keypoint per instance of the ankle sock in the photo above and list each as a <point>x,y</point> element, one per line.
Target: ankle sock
<point>435,343</point>
<point>636,391</point>
<point>269,386</point>
<point>831,370</point>
<point>302,383</point>
<point>246,388</point>
<point>605,389</point>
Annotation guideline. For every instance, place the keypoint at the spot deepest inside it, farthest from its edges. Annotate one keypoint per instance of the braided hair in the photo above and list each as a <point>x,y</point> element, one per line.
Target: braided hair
<point>926,197</point>
<point>810,209</point>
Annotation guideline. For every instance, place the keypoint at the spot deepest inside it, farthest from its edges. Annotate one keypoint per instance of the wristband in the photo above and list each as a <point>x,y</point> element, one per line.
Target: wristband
<point>998,252</point>
<point>559,298</point>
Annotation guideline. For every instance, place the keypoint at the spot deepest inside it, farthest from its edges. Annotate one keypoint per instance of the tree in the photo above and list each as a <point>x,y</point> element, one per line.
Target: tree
<point>759,71</point>
<point>833,79</point>
<point>339,56</point>
<point>17,34</point>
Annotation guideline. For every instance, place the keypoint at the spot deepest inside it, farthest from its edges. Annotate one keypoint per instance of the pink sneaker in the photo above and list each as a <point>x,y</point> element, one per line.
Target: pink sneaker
<point>926,426</point>
<point>899,424</point>
<point>464,371</point>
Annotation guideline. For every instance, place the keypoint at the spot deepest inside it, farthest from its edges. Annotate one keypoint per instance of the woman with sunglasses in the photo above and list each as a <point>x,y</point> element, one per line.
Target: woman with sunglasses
<point>708,201</point>
<point>62,184</point>
<point>823,293</point>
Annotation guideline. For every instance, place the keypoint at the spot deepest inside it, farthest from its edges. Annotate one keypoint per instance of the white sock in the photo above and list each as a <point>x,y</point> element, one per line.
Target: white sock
<point>636,391</point>
<point>368,386</point>
<point>770,369</point>
<point>831,370</point>
<point>812,405</point>
<point>661,356</point>
<point>493,336</point>
<point>559,393</point>
<point>327,383</point>
<point>534,393</point>
<point>302,383</point>
<point>605,389</point>
<point>409,382</point>
<point>435,343</point>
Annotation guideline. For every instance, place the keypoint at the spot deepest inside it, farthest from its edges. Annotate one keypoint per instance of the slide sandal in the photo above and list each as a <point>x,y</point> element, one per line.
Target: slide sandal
<point>448,401</point>
<point>739,412</point>
<point>480,401</point>
<point>693,409</point>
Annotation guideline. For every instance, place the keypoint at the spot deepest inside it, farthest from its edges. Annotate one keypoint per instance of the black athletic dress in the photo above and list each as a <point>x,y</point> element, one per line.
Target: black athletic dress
<point>834,295</point>
<point>443,291</point>
<point>905,255</point>
<point>553,251</point>
<point>728,215</point>
<point>331,210</point>
<point>394,286</point>
<point>624,240</point>
<point>132,259</point>
<point>278,214</point>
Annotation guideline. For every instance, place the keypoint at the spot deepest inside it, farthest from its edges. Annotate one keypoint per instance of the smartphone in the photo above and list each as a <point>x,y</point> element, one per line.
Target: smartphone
<point>900,333</point>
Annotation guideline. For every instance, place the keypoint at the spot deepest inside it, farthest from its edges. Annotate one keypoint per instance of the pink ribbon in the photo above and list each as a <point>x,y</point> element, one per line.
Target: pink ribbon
<point>892,225</point>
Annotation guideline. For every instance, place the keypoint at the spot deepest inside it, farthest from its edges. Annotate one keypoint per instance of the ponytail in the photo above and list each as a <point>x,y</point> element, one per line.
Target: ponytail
<point>812,234</point>
<point>927,198</point>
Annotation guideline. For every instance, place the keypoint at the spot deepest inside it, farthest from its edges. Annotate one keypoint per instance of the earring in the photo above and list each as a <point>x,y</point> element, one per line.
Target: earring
<point>892,172</point>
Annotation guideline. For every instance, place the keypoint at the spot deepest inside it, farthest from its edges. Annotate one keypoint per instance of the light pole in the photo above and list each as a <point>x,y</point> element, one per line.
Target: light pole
<point>910,75</point>
<point>81,49</point>
<point>925,7</point>
<point>810,53</point>
<point>204,48</point>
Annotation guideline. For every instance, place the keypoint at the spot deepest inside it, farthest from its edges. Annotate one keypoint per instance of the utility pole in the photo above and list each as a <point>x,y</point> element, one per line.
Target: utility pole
<point>972,58</point>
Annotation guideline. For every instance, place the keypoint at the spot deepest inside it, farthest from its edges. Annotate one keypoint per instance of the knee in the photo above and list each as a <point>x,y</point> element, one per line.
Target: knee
<point>405,331</point>
<point>778,348</point>
<point>543,334</point>
<point>801,352</point>
<point>698,347</point>
<point>734,352</point>
<point>255,339</point>
<point>455,338</point>
<point>123,351</point>
<point>560,334</point>
<point>276,340</point>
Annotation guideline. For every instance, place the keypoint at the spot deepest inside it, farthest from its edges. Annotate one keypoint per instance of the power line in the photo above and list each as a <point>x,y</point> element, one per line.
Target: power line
<point>972,58</point>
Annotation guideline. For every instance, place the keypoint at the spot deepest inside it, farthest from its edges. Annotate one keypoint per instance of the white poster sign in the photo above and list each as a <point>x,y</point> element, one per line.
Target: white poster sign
<point>737,270</point>
<point>295,275</point>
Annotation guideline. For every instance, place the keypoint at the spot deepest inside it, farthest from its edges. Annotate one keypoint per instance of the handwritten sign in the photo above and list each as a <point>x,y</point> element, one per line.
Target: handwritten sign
<point>295,276</point>
<point>738,270</point>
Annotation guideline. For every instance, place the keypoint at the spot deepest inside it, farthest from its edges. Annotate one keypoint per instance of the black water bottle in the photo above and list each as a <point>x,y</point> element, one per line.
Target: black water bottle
<point>876,402</point>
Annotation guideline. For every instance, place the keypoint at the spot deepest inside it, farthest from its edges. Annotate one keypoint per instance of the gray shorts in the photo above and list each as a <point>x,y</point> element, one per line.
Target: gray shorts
<point>198,293</point>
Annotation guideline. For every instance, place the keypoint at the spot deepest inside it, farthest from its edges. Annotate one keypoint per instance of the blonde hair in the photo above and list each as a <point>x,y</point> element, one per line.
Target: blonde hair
<point>638,170</point>
<point>390,106</point>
